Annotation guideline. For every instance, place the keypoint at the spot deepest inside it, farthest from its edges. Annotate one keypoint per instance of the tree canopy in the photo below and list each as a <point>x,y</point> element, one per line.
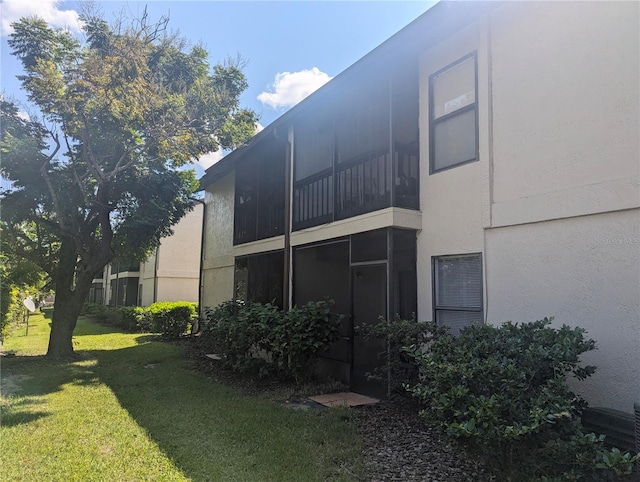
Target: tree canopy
<point>96,171</point>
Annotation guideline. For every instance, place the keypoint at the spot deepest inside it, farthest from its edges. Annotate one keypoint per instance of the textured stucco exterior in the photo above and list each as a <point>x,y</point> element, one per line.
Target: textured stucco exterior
<point>218,260</point>
<point>552,203</point>
<point>172,272</point>
<point>584,271</point>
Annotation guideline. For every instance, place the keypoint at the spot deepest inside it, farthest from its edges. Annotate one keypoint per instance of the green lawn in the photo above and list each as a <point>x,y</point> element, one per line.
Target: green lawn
<point>131,410</point>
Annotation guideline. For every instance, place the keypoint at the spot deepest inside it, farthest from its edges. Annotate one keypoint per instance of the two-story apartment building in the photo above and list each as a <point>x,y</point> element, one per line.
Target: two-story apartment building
<point>480,166</point>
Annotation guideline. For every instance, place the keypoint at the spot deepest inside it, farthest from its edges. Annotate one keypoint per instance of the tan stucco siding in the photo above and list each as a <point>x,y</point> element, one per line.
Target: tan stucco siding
<point>584,271</point>
<point>452,200</point>
<point>552,202</point>
<point>218,264</point>
<point>565,83</point>
<point>174,274</point>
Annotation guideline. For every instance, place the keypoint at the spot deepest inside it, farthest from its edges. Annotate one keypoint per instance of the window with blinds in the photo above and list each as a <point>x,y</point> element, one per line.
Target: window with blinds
<point>457,282</point>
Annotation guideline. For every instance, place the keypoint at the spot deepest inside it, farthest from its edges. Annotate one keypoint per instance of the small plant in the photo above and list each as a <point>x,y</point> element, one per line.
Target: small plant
<point>172,318</point>
<point>303,333</point>
<point>621,463</point>
<point>502,394</point>
<point>399,367</point>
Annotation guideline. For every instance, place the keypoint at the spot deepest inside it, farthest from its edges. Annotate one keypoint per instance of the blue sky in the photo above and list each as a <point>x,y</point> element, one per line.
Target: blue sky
<point>291,47</point>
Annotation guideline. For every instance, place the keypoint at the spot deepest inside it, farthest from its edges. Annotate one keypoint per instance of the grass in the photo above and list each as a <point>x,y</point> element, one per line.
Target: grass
<point>131,410</point>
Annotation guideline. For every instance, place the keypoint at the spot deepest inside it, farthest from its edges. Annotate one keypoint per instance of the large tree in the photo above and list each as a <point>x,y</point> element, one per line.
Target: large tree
<point>95,170</point>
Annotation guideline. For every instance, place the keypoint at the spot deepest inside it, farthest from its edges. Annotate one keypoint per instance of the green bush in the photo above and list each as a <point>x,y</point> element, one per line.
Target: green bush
<point>7,304</point>
<point>398,367</point>
<point>172,318</point>
<point>302,333</point>
<point>102,313</point>
<point>136,319</point>
<point>502,394</point>
<point>240,331</point>
<point>255,336</point>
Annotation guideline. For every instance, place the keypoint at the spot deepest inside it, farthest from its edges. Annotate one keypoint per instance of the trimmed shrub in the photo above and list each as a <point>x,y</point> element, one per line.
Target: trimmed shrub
<point>302,333</point>
<point>241,331</point>
<point>172,318</point>
<point>104,314</point>
<point>502,394</point>
<point>260,337</point>
<point>136,319</point>
<point>398,368</point>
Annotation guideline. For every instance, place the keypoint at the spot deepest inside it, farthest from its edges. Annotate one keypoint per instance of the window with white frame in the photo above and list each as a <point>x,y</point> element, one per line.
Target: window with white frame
<point>457,285</point>
<point>453,115</point>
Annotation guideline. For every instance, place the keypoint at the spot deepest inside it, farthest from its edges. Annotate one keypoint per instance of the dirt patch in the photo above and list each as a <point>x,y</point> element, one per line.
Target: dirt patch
<point>10,384</point>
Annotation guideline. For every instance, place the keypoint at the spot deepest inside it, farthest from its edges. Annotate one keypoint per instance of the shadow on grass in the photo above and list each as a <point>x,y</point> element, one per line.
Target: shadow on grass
<point>11,418</point>
<point>33,377</point>
<point>93,329</point>
<point>212,432</point>
<point>208,431</point>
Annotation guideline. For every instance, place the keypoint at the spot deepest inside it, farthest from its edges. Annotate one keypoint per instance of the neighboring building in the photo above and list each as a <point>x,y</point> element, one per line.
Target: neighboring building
<point>482,165</point>
<point>171,273</point>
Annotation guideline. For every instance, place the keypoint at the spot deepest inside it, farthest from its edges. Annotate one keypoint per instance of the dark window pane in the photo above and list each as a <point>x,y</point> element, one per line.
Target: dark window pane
<point>454,140</point>
<point>458,291</point>
<point>260,278</point>
<point>454,88</point>
<point>369,246</point>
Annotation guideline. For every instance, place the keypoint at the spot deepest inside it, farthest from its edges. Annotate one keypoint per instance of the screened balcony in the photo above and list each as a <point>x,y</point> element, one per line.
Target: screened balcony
<point>358,155</point>
<point>260,195</point>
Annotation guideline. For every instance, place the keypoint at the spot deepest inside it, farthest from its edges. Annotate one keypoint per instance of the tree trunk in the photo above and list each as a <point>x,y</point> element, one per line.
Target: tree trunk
<point>72,289</point>
<point>66,310</point>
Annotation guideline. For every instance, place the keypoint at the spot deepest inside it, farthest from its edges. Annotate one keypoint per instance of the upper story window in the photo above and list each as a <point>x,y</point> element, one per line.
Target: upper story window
<point>453,115</point>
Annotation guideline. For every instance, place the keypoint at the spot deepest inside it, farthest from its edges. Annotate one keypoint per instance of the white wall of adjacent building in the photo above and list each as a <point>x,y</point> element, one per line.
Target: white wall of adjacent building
<point>172,272</point>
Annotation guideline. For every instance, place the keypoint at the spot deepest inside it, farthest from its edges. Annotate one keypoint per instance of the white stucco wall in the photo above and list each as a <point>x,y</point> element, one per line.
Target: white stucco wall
<point>452,200</point>
<point>552,203</point>
<point>218,264</point>
<point>565,83</point>
<point>584,271</point>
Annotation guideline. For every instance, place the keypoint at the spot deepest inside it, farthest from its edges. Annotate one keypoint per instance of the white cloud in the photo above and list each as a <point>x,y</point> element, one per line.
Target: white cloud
<point>259,127</point>
<point>209,159</point>
<point>14,10</point>
<point>291,87</point>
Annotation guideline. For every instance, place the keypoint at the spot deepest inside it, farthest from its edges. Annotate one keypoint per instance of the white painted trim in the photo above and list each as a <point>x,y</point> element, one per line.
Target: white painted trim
<point>384,218</point>
<point>260,246</point>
